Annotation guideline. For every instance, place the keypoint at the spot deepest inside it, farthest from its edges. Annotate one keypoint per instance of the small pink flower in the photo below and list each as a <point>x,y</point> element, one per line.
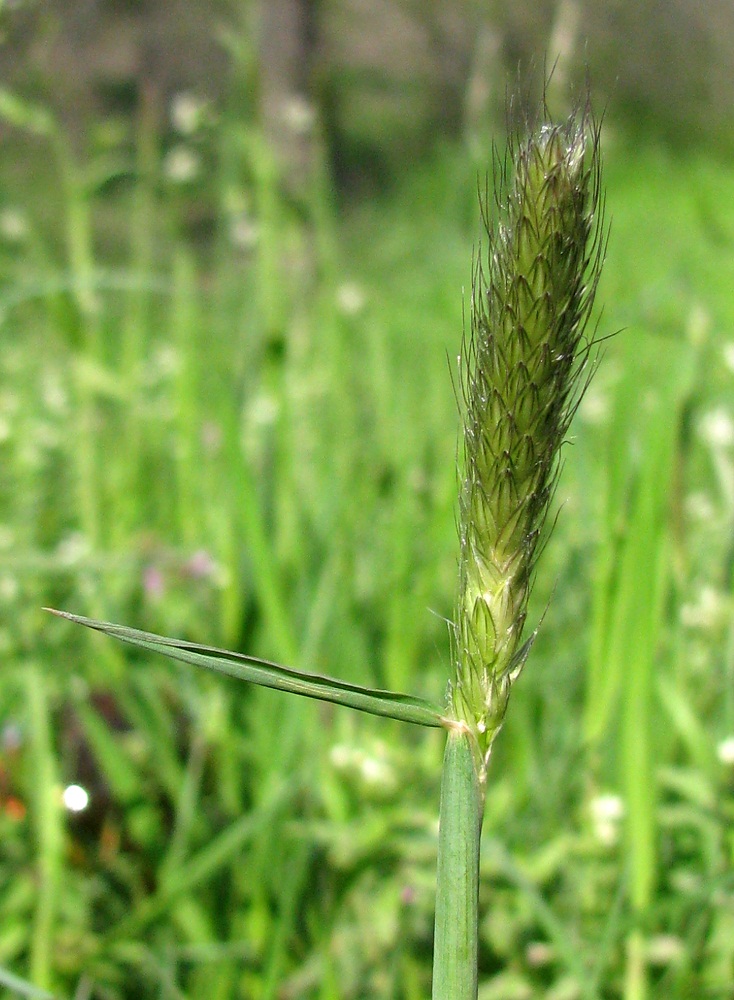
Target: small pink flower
<point>407,895</point>
<point>200,566</point>
<point>153,583</point>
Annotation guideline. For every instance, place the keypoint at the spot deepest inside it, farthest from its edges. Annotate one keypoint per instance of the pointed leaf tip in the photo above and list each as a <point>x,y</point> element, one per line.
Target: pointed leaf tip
<point>404,708</point>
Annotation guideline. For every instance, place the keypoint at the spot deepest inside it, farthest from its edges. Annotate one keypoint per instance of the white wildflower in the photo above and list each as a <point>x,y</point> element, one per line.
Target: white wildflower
<point>665,949</point>
<point>341,756</point>
<point>350,298</point>
<point>166,360</point>
<point>376,772</point>
<point>187,113</point>
<point>263,410</point>
<point>709,610</point>
<point>244,231</point>
<point>13,225</point>
<point>716,428</point>
<point>73,549</point>
<point>181,165</point>
<point>75,798</point>
<point>700,507</point>
<point>298,114</point>
<point>55,396</point>
<point>8,588</point>
<point>607,812</point>
<point>725,751</point>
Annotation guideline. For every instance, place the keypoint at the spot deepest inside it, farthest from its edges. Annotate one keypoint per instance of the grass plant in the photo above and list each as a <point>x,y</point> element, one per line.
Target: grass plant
<point>223,855</point>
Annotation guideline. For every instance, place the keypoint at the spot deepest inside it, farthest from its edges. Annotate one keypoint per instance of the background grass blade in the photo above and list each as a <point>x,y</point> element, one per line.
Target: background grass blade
<point>20,988</point>
<point>404,708</point>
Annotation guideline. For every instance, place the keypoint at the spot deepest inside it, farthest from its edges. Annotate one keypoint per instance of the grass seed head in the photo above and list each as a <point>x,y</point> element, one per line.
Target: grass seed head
<point>522,376</point>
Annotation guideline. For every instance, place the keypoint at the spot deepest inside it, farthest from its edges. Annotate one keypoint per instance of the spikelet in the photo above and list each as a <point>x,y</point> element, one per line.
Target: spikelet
<point>522,376</point>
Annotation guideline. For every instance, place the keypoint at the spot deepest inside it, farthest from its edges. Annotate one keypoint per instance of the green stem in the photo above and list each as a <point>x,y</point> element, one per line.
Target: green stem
<point>457,890</point>
<point>635,983</point>
<point>47,821</point>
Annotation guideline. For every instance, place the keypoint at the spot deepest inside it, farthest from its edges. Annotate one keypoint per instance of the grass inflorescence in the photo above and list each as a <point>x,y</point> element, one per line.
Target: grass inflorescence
<point>522,376</point>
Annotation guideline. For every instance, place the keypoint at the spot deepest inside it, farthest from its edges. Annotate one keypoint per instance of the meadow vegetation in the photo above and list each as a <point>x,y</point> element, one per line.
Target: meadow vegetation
<point>226,413</point>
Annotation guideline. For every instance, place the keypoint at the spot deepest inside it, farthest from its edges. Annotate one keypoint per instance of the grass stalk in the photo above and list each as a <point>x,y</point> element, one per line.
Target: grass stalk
<point>635,980</point>
<point>136,321</point>
<point>81,267</point>
<point>455,951</point>
<point>48,830</point>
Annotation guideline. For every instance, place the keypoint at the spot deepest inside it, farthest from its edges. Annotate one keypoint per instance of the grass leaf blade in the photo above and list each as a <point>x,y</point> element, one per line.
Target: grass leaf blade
<point>404,708</point>
<point>22,988</point>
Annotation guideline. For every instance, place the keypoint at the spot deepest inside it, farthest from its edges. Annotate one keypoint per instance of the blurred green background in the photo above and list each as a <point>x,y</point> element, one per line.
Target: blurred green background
<point>234,243</point>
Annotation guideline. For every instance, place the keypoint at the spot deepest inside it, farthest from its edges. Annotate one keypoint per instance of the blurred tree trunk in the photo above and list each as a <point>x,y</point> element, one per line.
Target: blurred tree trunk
<point>286,50</point>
